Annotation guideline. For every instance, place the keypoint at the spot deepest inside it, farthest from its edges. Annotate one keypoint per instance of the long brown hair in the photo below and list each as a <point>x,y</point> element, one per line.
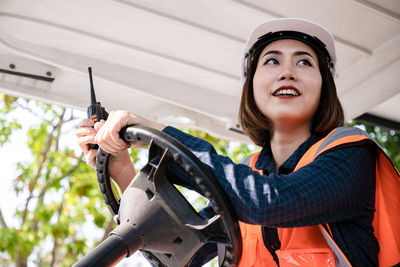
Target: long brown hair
<point>328,116</point>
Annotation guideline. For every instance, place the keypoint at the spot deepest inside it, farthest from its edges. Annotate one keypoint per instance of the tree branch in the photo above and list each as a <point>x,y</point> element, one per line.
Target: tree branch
<point>30,111</point>
<point>3,224</point>
<point>56,243</point>
<point>46,187</point>
<point>41,165</point>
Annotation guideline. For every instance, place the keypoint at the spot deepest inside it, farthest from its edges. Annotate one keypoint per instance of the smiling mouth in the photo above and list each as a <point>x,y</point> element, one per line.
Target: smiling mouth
<point>286,91</point>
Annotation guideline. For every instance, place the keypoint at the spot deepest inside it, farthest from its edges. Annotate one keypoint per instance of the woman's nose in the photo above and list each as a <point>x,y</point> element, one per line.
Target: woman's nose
<point>287,74</point>
<point>287,78</point>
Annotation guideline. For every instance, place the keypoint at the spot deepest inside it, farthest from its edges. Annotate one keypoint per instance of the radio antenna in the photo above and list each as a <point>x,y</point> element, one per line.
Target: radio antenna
<point>92,94</point>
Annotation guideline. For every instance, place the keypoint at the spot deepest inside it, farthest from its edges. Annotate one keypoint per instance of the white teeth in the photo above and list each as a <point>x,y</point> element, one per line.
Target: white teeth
<point>286,92</point>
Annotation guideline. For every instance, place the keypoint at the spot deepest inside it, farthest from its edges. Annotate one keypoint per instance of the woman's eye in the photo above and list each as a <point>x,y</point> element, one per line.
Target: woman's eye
<point>271,61</point>
<point>304,62</point>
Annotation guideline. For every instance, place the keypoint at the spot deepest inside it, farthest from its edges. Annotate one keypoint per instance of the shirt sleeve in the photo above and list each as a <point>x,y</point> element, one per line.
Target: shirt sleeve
<point>336,186</point>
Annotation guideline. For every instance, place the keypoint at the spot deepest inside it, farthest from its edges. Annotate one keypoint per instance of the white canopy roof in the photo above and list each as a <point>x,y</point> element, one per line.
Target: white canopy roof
<point>178,61</point>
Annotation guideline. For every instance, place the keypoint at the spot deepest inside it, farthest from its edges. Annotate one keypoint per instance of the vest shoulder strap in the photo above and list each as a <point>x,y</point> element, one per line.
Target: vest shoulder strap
<point>247,160</point>
<point>339,137</point>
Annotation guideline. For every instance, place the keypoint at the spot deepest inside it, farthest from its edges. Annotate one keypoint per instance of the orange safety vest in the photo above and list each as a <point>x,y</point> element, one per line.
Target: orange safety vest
<point>314,245</point>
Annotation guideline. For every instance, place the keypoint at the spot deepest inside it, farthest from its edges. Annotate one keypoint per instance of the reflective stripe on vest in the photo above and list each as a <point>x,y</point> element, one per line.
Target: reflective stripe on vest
<point>314,246</point>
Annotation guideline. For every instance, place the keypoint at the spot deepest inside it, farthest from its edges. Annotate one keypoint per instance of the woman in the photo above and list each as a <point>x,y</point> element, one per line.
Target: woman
<point>289,104</point>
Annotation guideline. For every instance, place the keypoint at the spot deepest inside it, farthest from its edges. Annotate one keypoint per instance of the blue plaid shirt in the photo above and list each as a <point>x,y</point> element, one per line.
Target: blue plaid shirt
<point>337,188</point>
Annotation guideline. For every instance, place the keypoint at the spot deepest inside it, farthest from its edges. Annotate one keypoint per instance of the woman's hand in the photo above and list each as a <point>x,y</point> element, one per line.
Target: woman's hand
<point>85,134</point>
<point>107,135</point>
<point>120,166</point>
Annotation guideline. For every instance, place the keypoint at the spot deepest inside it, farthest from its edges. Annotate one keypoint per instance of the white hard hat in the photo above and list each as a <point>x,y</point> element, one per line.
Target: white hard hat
<point>311,33</point>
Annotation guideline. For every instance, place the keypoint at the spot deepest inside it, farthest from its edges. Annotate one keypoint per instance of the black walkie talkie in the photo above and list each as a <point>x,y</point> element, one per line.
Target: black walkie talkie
<point>95,111</point>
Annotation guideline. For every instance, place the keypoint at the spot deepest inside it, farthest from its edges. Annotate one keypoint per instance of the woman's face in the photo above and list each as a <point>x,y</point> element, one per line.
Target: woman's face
<point>287,83</point>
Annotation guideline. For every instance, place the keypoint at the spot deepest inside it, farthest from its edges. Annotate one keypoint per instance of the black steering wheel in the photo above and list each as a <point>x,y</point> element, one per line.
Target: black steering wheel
<point>154,217</point>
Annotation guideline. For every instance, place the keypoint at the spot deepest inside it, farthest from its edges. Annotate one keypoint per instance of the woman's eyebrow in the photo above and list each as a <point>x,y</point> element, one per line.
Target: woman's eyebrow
<point>297,53</point>
<point>300,53</point>
<point>276,52</point>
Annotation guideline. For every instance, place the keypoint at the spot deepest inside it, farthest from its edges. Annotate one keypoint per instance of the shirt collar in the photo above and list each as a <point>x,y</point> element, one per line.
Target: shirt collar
<point>265,160</point>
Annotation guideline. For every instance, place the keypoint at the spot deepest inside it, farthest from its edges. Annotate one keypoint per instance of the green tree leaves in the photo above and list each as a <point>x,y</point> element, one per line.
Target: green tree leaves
<point>388,139</point>
<point>7,104</point>
<point>60,191</point>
